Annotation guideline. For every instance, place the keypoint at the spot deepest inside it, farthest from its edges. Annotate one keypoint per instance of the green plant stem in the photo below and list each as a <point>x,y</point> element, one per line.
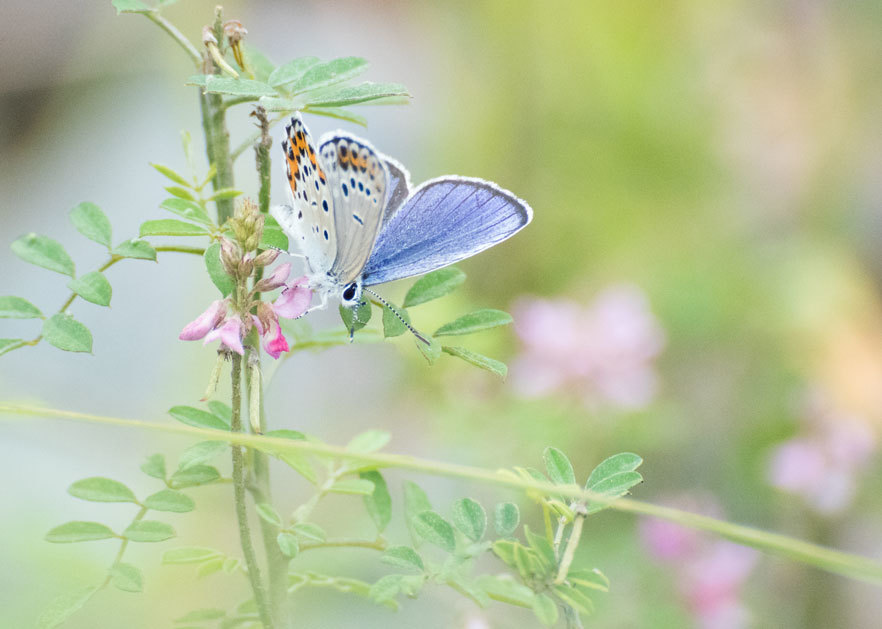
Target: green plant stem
<point>239,496</point>
<point>377,544</point>
<point>122,547</point>
<point>570,550</point>
<point>172,30</point>
<point>262,157</point>
<point>846,564</point>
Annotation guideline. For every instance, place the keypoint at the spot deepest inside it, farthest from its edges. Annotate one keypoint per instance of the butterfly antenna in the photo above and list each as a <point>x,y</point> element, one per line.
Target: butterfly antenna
<point>398,314</point>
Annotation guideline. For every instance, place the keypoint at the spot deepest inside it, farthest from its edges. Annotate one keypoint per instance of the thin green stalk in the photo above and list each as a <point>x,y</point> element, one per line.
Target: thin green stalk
<point>260,596</point>
<point>172,30</point>
<point>377,544</point>
<point>846,564</point>
<point>570,550</point>
<point>122,547</point>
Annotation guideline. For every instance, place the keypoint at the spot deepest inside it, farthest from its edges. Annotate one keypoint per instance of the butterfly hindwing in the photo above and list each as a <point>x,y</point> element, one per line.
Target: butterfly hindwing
<point>443,221</point>
<point>357,182</point>
<point>398,189</point>
<point>310,217</point>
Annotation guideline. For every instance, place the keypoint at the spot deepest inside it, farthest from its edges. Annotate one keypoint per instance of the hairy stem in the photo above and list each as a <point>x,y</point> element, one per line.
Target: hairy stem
<point>262,157</point>
<point>260,596</point>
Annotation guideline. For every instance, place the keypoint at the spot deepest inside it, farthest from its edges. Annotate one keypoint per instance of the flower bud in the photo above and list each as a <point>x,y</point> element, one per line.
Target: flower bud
<point>266,257</point>
<point>230,256</point>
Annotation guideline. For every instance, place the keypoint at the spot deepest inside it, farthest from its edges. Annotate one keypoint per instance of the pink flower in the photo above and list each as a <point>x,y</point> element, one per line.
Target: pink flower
<point>274,342</point>
<point>230,335</point>
<point>205,322</point>
<point>294,300</point>
<point>276,279</point>
<point>602,352</point>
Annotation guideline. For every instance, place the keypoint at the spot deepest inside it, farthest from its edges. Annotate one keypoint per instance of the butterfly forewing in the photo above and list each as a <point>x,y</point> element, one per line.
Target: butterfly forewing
<point>445,220</point>
<point>398,189</point>
<point>310,217</point>
<point>357,181</point>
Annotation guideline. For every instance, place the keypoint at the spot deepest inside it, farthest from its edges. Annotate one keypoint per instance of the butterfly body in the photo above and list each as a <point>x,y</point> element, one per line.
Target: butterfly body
<point>358,223</point>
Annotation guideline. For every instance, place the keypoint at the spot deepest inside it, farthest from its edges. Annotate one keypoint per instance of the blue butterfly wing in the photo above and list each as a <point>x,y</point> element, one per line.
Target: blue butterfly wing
<point>444,221</point>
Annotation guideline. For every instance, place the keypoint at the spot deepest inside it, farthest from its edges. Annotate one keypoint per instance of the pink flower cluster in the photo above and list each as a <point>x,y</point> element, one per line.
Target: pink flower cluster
<point>601,352</point>
<point>822,463</point>
<point>708,573</point>
<point>218,323</point>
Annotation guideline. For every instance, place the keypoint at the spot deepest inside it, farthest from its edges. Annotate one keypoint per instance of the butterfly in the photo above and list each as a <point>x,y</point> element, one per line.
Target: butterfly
<point>359,223</point>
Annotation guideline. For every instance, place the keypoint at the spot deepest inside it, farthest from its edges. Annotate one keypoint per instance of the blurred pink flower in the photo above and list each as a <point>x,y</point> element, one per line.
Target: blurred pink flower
<point>601,352</point>
<point>709,573</point>
<point>823,462</point>
<point>217,324</point>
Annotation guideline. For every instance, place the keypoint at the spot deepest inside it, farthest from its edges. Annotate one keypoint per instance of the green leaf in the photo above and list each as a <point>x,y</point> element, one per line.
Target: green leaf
<point>291,71</point>
<point>559,468</point>
<point>178,192</point>
<point>187,209</point>
<point>310,531</point>
<point>7,345</point>
<point>505,589</point>
<point>148,531</point>
<point>201,615</point>
<point>131,6</point>
<point>392,325</point>
<point>273,238</point>
<point>545,609</point>
<point>212,566</point>
<point>357,317</point>
<point>388,587</point>
<point>170,227</point>
<point>237,87</point>
<point>154,466</point>
<point>288,544</point>
<point>189,554</point>
<point>470,518</point>
<point>616,464</point>
<point>92,223</point>
<point>216,271</point>
<point>403,557</point>
<point>298,462</point>
<point>196,79</point>
<point>193,476</point>
<point>368,441</point>
<point>268,513</point>
<point>18,308</point>
<point>64,332</point>
<point>478,360</point>
<point>329,73</point>
<point>434,285</point>
<point>431,352</point>
<point>474,322</point>
<point>170,173</point>
<point>353,95</point>
<point>468,588</point>
<point>92,287</point>
<point>615,486</point>
<point>435,530</point>
<point>378,503</point>
<point>44,252</point>
<point>136,249</point>
<point>99,489</point>
<point>257,62</point>
<point>542,548</point>
<point>589,579</point>
<point>353,486</point>
<point>225,193</point>
<point>415,502</point>
<point>576,599</point>
<point>201,452</point>
<point>197,417</point>
<point>127,577</point>
<point>62,607</point>
<point>169,500</point>
<point>505,518</point>
<point>78,532</point>
<point>339,113</point>
<point>221,410</point>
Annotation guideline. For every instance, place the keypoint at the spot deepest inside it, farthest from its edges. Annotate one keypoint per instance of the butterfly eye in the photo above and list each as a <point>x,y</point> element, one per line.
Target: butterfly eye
<point>349,292</point>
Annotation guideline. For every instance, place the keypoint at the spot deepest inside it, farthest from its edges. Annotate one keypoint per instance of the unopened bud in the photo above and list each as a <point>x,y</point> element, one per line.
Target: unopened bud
<point>246,266</point>
<point>266,315</point>
<point>266,257</point>
<point>230,256</point>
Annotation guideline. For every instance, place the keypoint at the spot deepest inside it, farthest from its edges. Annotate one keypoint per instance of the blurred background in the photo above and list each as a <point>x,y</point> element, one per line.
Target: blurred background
<point>700,285</point>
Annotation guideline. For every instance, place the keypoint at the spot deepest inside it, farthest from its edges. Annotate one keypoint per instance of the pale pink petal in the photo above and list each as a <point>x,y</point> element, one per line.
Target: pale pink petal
<point>205,322</point>
<point>257,324</point>
<point>274,280</point>
<point>797,465</point>
<point>275,342</point>
<point>294,300</point>
<point>230,335</point>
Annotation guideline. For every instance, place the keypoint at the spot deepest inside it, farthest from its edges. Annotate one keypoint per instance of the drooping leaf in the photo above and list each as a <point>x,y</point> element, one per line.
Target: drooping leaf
<point>541,547</point>
<point>299,462</point>
<point>392,324</point>
<point>169,500</point>
<point>436,530</point>
<point>505,589</point>
<point>189,210</point>
<point>434,285</point>
<point>92,287</point>
<point>432,351</point>
<point>171,174</point>
<point>273,238</point>
<point>65,332</point>
<point>18,308</point>
<point>193,476</point>
<point>135,249</point>
<point>478,360</point>
<point>197,417</point>
<point>100,489</point>
<point>415,502</point>
<point>357,317</point>
<point>506,516</point>
<point>558,466</point>
<point>127,577</point>
<point>470,518</point>
<point>329,73</point>
<point>268,513</point>
<point>368,441</point>
<point>589,579</point>
<point>44,252</point>
<point>353,486</point>
<point>154,466</point>
<point>180,193</point>
<point>62,607</point>
<point>170,227</point>
<point>545,609</point>
<point>575,598</point>
<point>148,531</point>
<point>189,554</point>
<point>353,95</point>
<point>201,452</point>
<point>288,544</point>
<point>216,271</point>
<point>78,531</point>
<point>92,223</point>
<point>225,193</point>
<point>291,71</point>
<point>378,503</point>
<point>237,87</point>
<point>310,531</point>
<point>403,557</point>
<point>339,113</point>
<point>474,322</point>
